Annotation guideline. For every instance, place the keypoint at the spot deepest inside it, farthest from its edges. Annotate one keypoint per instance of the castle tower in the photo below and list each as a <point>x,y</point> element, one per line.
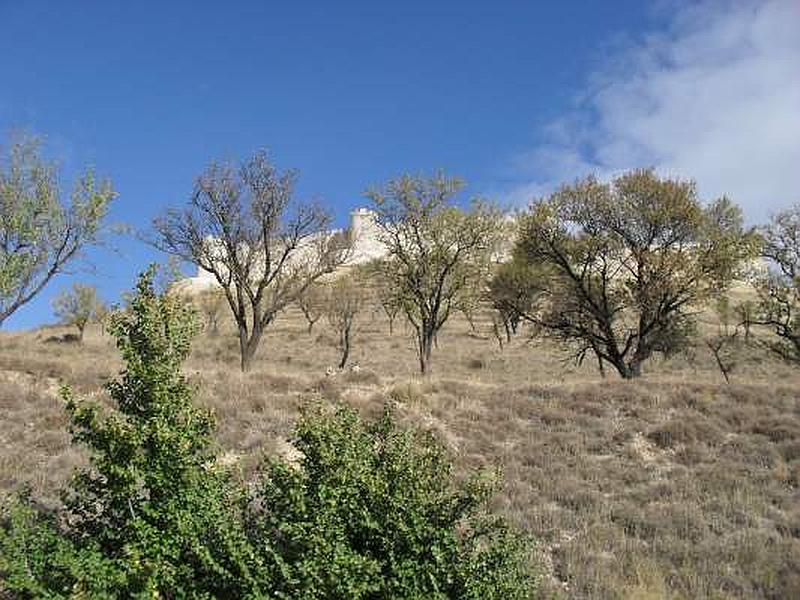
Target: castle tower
<point>362,222</point>
<point>365,236</point>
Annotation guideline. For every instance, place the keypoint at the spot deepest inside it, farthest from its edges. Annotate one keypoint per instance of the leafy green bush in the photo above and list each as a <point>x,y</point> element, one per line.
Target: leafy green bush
<point>370,510</point>
<point>153,514</point>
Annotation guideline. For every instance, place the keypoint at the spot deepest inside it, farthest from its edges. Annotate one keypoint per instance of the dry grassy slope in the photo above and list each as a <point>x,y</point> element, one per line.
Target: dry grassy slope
<point>675,485</point>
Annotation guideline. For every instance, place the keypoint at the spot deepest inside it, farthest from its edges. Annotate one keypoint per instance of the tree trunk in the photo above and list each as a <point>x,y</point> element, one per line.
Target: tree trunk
<point>498,336</point>
<point>391,325</point>
<point>426,340</point>
<point>627,370</point>
<point>630,370</point>
<point>471,322</point>
<point>248,345</point>
<point>636,369</point>
<point>345,347</point>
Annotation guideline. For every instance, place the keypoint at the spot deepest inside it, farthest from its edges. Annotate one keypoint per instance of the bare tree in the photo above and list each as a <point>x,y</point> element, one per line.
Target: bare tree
<point>377,275</point>
<point>312,303</point>
<point>628,264</point>
<point>345,300</point>
<point>745,312</point>
<point>40,232</point>
<point>243,227</point>
<point>437,252</point>
<point>102,314</point>
<point>724,346</point>
<point>78,307</point>
<point>779,290</point>
<point>211,302</point>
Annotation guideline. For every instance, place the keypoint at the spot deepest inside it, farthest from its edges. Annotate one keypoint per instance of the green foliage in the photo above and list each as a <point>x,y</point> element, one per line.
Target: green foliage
<point>371,511</point>
<point>514,291</point>
<point>438,254</point>
<point>41,231</point>
<point>154,508</point>
<point>78,306</point>
<point>38,561</point>
<point>630,261</point>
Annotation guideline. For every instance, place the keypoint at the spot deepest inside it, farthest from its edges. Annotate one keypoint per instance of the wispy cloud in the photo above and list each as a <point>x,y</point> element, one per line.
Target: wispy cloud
<point>715,97</point>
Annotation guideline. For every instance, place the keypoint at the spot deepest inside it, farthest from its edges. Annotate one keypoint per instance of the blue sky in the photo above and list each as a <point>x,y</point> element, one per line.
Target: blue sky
<point>514,96</point>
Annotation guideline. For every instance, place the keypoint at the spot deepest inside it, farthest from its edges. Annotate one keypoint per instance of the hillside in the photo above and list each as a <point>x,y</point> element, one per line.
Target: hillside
<point>673,485</point>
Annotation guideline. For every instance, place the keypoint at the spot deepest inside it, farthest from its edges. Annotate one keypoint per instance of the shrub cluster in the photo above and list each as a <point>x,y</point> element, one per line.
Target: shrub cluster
<point>368,509</point>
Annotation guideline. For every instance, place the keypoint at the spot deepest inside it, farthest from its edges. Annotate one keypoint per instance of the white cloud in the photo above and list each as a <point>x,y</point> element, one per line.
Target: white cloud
<point>716,97</point>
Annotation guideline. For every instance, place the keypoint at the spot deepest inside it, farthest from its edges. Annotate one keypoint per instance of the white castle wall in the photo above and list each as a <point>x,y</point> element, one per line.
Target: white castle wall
<point>365,237</point>
<point>366,247</point>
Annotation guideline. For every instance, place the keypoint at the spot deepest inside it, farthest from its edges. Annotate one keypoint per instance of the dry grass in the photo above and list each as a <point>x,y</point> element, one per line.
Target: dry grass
<point>675,485</point>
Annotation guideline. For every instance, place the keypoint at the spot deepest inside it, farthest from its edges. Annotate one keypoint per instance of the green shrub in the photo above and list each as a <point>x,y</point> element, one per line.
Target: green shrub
<point>153,514</point>
<point>372,511</point>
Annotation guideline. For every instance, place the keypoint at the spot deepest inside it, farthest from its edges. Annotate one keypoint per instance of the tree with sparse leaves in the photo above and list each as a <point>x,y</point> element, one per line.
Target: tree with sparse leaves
<point>778,308</point>
<point>627,264</point>
<point>211,302</point>
<point>345,300</point>
<point>725,346</point>
<point>312,303</point>
<point>41,233</point>
<point>78,307</point>
<point>380,283</point>
<point>243,226</point>
<point>437,253</point>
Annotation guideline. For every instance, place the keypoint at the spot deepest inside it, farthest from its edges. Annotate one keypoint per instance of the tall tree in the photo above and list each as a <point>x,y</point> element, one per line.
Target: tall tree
<point>40,231</point>
<point>243,226</point>
<point>437,252</point>
<point>779,289</point>
<point>628,264</point>
<point>78,307</point>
